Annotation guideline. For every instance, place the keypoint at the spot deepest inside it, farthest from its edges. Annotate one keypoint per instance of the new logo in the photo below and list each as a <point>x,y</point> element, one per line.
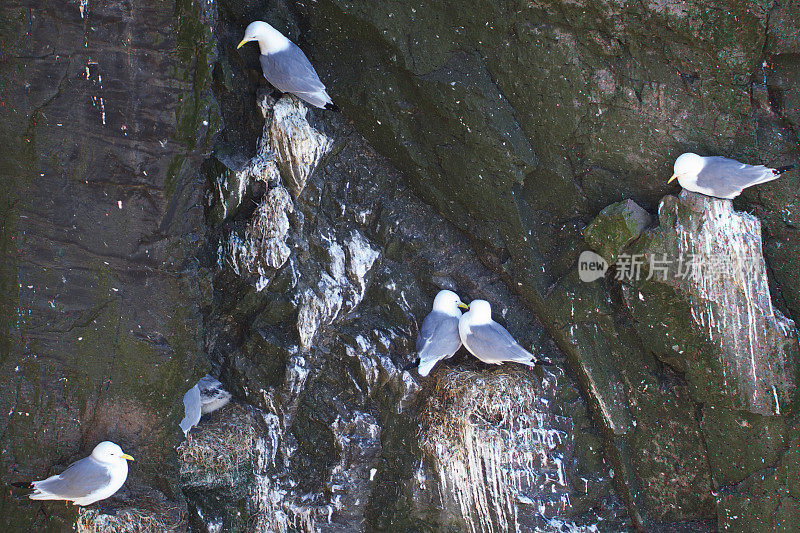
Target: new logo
<point>591,266</point>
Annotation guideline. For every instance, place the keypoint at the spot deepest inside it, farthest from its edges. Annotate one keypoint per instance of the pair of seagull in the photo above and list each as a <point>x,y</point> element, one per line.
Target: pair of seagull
<point>445,329</point>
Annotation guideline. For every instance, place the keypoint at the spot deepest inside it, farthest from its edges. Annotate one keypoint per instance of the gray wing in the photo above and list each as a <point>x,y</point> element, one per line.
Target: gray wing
<point>191,409</point>
<point>80,479</point>
<point>290,71</point>
<point>491,343</point>
<point>438,339</point>
<point>728,175</point>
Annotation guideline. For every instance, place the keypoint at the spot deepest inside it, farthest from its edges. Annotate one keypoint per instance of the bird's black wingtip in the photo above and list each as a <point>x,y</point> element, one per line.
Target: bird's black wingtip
<point>332,107</point>
<point>22,484</point>
<point>781,170</point>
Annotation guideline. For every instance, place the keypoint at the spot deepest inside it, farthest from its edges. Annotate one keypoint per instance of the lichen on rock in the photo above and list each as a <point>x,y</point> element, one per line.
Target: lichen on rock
<point>615,227</point>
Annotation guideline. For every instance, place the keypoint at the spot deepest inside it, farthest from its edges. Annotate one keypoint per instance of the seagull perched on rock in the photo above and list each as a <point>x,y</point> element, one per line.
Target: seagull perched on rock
<point>719,176</point>
<point>438,337</point>
<point>489,341</point>
<point>285,66</point>
<point>88,480</point>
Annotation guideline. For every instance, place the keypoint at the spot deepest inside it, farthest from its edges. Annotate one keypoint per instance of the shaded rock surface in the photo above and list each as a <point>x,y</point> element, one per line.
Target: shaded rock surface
<point>106,110</point>
<point>319,358</point>
<point>615,227</point>
<point>483,142</point>
<point>705,308</point>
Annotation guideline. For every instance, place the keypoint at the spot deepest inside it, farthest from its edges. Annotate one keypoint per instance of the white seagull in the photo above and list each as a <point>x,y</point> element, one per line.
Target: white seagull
<point>88,480</point>
<point>285,66</point>
<point>719,176</point>
<point>438,337</point>
<point>489,341</point>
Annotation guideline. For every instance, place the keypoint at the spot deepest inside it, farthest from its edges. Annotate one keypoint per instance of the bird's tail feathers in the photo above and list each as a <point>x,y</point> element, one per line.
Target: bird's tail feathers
<point>528,361</point>
<point>426,367</point>
<point>39,494</point>
<point>780,170</point>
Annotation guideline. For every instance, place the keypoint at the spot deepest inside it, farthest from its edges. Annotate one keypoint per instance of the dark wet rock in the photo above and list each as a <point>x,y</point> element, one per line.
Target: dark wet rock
<point>767,499</point>
<point>703,306</point>
<point>596,100</point>
<point>657,456</point>
<point>705,262</point>
<point>340,450</point>
<point>298,147</point>
<point>483,141</point>
<point>106,115</point>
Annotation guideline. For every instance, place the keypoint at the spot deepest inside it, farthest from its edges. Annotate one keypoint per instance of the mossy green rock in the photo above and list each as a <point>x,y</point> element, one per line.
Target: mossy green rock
<point>692,321</point>
<point>615,227</point>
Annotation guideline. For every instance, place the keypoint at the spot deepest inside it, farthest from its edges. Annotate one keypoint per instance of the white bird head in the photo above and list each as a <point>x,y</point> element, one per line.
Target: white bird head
<point>480,312</point>
<point>687,166</point>
<point>269,39</point>
<point>448,302</point>
<point>108,452</point>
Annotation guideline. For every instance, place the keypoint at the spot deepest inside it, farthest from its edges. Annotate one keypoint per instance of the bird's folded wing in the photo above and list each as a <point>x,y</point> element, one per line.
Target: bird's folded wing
<point>290,71</point>
<point>719,170</point>
<point>80,479</point>
<point>438,338</point>
<point>191,409</point>
<point>491,342</point>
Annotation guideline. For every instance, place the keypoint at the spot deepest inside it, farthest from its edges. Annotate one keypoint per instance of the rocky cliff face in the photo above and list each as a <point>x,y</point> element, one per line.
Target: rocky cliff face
<point>105,115</point>
<point>478,150</point>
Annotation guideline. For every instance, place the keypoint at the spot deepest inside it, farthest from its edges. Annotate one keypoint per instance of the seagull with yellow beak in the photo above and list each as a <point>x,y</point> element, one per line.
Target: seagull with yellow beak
<point>719,176</point>
<point>438,337</point>
<point>88,480</point>
<point>285,66</point>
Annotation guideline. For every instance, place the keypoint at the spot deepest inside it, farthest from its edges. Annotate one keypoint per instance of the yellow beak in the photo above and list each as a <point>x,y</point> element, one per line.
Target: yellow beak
<point>672,178</point>
<point>462,305</point>
<point>126,456</point>
<point>244,42</point>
